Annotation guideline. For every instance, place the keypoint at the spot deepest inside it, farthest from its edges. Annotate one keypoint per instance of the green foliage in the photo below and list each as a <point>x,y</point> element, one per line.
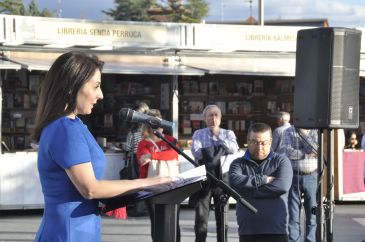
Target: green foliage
<point>131,10</point>
<point>196,10</point>
<point>17,7</point>
<point>193,11</point>
<point>33,9</point>
<point>11,7</point>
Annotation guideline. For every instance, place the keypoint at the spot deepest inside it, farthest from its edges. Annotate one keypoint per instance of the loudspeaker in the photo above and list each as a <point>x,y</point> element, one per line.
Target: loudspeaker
<point>326,87</point>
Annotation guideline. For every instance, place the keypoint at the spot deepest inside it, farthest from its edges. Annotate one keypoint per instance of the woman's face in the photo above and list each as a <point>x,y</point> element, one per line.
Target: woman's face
<point>353,140</point>
<point>89,94</point>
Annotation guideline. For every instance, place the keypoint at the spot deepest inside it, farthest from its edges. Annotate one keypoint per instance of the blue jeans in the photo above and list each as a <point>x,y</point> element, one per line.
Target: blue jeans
<point>306,186</point>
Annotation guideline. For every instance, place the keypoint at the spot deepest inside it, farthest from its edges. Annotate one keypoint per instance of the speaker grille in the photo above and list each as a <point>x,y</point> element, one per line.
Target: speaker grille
<point>326,91</point>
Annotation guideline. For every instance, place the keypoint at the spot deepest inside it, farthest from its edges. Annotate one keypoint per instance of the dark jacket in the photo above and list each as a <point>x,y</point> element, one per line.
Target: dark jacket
<point>249,178</point>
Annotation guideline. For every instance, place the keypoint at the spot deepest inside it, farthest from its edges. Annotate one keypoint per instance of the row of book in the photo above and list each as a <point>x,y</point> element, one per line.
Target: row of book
<point>19,100</point>
<point>255,87</point>
<point>15,142</point>
<point>240,108</point>
<point>190,123</point>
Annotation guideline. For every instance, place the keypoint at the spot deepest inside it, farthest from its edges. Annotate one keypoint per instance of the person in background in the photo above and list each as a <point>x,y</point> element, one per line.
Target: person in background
<point>351,141</point>
<point>70,161</point>
<point>134,136</point>
<point>301,146</point>
<point>263,177</point>
<point>208,145</point>
<point>283,122</point>
<point>152,148</point>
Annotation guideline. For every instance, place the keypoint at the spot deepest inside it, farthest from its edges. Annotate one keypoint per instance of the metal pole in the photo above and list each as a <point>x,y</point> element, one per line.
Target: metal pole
<point>261,12</point>
<point>1,112</point>
<point>329,211</point>
<point>319,209</point>
<point>175,105</point>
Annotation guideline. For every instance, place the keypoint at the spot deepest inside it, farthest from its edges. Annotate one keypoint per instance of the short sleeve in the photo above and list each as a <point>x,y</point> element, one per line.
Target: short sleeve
<point>69,146</point>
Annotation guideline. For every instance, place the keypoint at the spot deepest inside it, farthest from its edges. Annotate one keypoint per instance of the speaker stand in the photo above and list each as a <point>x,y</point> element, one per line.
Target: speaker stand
<point>329,203</point>
<point>325,210</point>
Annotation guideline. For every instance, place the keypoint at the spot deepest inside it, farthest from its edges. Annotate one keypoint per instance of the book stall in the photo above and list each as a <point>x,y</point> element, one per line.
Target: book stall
<point>248,71</point>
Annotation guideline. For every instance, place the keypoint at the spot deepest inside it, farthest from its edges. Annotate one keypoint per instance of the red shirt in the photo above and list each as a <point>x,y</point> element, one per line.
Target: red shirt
<point>165,152</point>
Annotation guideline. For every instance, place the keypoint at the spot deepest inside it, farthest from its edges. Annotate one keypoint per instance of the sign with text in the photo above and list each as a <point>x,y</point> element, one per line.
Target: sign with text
<point>228,38</point>
<point>100,33</point>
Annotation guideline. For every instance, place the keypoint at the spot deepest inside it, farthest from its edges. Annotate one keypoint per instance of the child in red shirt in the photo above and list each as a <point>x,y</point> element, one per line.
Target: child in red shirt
<point>153,148</point>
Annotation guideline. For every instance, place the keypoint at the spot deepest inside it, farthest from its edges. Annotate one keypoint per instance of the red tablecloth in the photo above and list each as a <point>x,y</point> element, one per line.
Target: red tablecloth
<point>353,171</point>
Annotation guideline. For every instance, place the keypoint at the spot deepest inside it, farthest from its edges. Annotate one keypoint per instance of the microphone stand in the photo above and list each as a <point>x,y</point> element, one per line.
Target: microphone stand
<point>226,188</point>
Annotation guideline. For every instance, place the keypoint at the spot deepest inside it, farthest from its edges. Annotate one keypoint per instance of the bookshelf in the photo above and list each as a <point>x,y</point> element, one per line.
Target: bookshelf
<point>124,91</point>
<point>18,108</point>
<point>242,100</point>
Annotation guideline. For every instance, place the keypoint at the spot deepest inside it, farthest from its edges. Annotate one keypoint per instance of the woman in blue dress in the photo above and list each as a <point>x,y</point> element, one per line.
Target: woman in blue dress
<point>70,162</point>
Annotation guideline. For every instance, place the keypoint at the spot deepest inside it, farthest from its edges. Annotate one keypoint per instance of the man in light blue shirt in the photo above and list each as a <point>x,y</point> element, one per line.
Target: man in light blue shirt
<point>209,144</point>
<point>283,123</point>
<point>300,146</point>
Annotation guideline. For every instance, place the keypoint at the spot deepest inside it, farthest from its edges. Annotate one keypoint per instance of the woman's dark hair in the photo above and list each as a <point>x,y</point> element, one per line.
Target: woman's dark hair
<point>348,136</point>
<point>58,91</point>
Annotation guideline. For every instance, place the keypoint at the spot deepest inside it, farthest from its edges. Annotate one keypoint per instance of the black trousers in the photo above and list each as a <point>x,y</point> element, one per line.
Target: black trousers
<point>151,212</point>
<point>264,238</point>
<point>202,208</point>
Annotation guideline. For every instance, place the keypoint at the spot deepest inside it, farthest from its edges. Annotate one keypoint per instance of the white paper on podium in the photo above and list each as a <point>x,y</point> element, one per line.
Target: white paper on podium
<point>193,175</point>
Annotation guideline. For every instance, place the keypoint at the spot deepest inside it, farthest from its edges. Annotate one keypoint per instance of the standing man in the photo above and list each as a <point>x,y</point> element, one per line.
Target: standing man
<point>209,144</point>
<point>283,123</point>
<point>263,177</point>
<point>300,146</point>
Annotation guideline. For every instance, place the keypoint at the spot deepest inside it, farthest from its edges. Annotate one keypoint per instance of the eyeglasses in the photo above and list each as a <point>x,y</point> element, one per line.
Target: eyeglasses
<point>257,143</point>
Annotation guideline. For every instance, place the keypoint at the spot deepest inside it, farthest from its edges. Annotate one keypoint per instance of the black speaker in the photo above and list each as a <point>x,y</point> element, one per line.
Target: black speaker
<point>326,87</point>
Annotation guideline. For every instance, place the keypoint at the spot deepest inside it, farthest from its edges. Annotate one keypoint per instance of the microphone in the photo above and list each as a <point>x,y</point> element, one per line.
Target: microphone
<point>129,115</point>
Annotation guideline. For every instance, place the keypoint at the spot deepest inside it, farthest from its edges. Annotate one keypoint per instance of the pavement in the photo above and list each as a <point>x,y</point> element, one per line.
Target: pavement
<point>21,225</point>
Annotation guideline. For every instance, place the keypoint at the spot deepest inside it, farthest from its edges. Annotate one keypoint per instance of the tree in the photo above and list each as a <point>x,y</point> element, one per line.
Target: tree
<point>33,9</point>
<point>196,10</point>
<point>192,11</point>
<point>16,7</point>
<point>11,7</point>
<point>131,10</point>
<point>176,11</point>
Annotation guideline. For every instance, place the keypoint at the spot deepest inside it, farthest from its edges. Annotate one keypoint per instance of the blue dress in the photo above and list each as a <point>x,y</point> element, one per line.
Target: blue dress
<point>67,215</point>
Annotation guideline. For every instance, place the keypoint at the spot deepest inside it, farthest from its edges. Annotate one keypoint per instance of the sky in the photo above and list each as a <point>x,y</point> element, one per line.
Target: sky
<point>340,13</point>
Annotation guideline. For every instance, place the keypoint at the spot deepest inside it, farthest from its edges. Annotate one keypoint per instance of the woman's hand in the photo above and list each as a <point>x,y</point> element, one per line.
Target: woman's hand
<point>161,184</point>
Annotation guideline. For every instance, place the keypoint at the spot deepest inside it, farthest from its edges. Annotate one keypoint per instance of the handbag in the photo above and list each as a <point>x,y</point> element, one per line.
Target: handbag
<point>163,168</point>
<point>128,172</point>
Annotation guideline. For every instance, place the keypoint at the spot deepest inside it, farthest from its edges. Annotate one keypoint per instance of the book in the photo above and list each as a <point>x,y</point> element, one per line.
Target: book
<point>195,125</point>
<point>33,100</point>
<point>18,100</point>
<point>196,106</point>
<point>33,83</point>
<point>26,101</point>
<point>213,88</point>
<point>258,87</point>
<point>222,106</point>
<point>203,87</point>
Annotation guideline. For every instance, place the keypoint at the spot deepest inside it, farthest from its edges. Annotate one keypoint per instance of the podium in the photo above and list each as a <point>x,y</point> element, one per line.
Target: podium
<point>166,204</point>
